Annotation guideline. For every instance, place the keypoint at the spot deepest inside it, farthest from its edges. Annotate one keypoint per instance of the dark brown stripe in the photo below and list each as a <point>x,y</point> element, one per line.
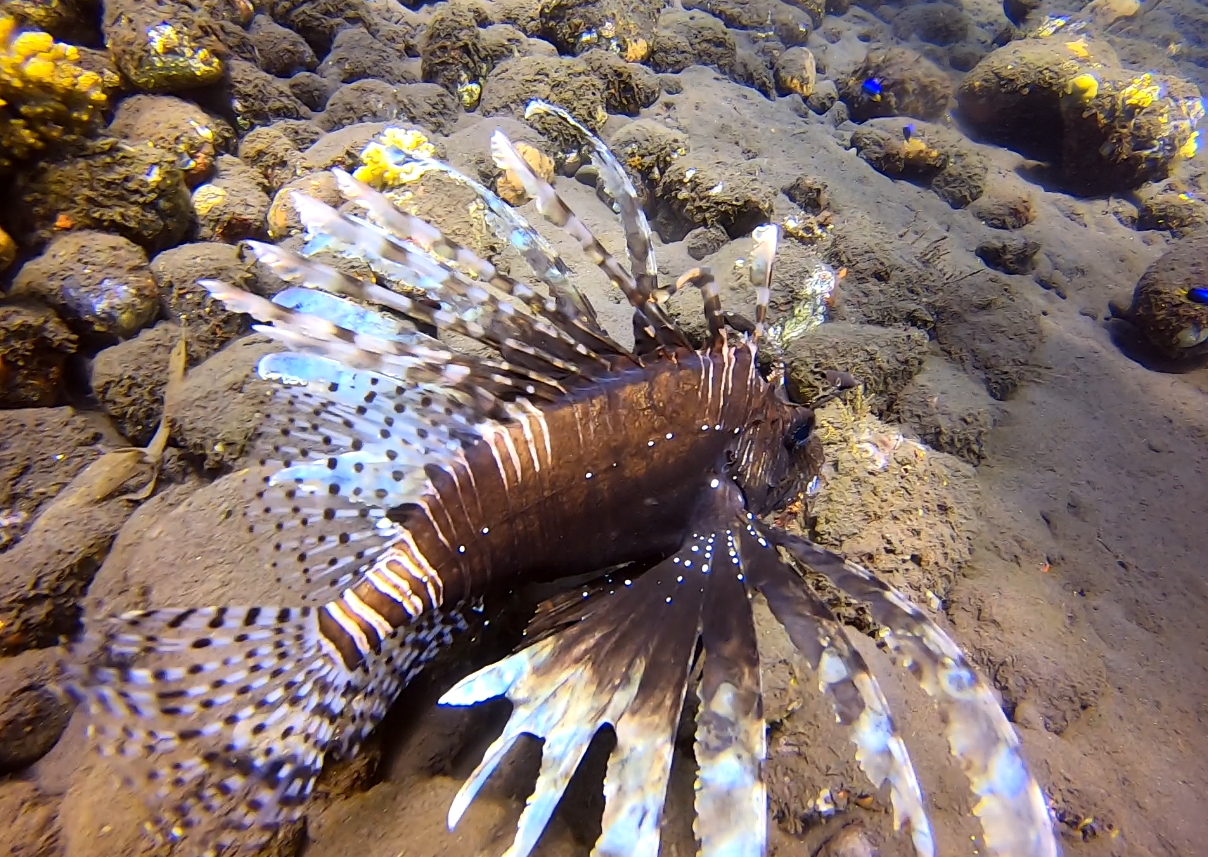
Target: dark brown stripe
<point>383,604</point>
<point>338,637</point>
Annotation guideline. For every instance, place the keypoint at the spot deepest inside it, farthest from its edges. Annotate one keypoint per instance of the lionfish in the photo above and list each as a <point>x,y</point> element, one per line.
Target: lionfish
<point>409,481</point>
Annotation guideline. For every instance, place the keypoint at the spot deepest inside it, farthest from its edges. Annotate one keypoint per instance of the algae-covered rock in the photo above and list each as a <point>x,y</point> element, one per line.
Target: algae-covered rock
<point>208,323</point>
<point>160,47</point>
<point>1170,301</point>
<point>624,27</point>
<point>695,192</point>
<point>1013,96</point>
<point>1121,129</point>
<point>260,99</point>
<point>926,154</point>
<point>949,410</point>
<point>136,191</point>
<point>356,55</point>
<point>281,52</point>
<point>177,126</point>
<point>628,87</point>
<point>882,359</point>
<point>452,53</point>
<point>99,283</point>
<point>796,71</point>
<point>232,205</point>
<point>1012,254</point>
<point>896,82</point>
<point>47,98</point>
<point>128,379</point>
<point>687,38</point>
<point>937,23</point>
<point>567,82</point>
<point>790,24</point>
<point>34,347</point>
<point>1170,206</point>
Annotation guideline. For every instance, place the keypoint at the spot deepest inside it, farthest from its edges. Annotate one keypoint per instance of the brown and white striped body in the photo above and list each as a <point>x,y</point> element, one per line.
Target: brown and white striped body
<point>607,476</point>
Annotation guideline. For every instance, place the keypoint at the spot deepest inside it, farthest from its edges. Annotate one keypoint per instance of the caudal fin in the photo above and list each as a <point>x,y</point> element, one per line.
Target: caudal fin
<point>220,715</point>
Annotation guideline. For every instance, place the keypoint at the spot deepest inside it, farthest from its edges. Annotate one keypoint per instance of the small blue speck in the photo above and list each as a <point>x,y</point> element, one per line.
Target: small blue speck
<point>1199,294</point>
<point>907,132</point>
<point>872,87</point>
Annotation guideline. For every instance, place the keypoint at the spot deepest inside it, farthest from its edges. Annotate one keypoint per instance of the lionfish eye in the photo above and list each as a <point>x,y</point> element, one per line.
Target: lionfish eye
<point>800,435</point>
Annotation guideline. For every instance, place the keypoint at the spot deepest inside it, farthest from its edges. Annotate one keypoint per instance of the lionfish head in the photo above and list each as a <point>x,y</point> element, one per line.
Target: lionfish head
<point>779,456</point>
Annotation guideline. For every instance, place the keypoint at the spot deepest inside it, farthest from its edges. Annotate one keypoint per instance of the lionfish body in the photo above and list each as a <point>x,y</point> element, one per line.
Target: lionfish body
<point>411,481</point>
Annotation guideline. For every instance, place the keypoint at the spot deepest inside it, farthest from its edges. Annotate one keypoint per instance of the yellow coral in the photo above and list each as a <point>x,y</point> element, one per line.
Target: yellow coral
<point>382,167</point>
<point>1142,92</point>
<point>1087,84</point>
<point>45,98</point>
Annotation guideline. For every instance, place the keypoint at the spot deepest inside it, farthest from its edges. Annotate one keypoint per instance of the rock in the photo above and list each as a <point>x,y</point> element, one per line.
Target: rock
<point>98,283</point>
<point>41,450</point>
<point>221,401</point>
<point>896,82</point>
<point>318,21</point>
<point>1011,255</point>
<point>854,840</point>
<point>648,148</point>
<point>925,154</point>
<point>948,410</point>
<point>796,71</point>
<point>752,71</point>
<point>160,49</point>
<point>283,219</point>
<point>695,192</point>
<point>808,193</point>
<point>34,347</point>
<point>1005,205</point>
<point>452,54</point>
<point>1013,96</point>
<point>882,359</point>
<point>1121,129</point>
<point>281,51</point>
<point>965,56</point>
<point>1068,102</point>
<point>792,25</point>
<point>1168,206</point>
<point>128,379</point>
<point>137,192</point>
<point>29,817</point>
<point>1170,302</point>
<point>692,38</point>
<point>208,324</point>
<point>503,41</point>
<point>569,83</point>
<point>177,126</point>
<point>705,241</point>
<point>312,90</point>
<point>891,504</point>
<point>628,87</point>
<point>275,157</point>
<point>32,714</point>
<point>232,206</point>
<point>937,23</point>
<point>984,324</point>
<point>623,27</point>
<point>356,55</point>
<point>823,98</point>
<point>44,576</point>
<point>424,104</point>
<point>260,99</point>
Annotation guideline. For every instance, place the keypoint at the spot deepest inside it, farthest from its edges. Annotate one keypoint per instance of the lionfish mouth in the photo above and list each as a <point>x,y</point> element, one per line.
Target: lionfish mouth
<point>225,714</point>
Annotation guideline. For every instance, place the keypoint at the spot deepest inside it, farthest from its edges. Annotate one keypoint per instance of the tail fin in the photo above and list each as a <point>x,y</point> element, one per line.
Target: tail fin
<point>224,714</point>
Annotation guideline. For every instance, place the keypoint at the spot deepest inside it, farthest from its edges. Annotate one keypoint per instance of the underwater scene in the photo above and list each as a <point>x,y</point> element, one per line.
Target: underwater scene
<point>603,427</point>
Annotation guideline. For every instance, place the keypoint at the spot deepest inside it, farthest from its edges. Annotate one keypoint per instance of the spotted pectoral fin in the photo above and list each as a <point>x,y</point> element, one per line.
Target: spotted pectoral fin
<point>1011,806</point>
<point>623,663</point>
<point>845,678</point>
